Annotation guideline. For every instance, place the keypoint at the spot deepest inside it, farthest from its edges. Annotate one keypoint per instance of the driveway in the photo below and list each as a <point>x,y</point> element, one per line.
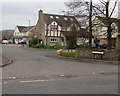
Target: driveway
<point>32,64</point>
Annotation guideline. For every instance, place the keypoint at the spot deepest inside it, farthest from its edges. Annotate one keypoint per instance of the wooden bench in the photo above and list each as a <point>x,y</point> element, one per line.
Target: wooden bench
<point>98,53</point>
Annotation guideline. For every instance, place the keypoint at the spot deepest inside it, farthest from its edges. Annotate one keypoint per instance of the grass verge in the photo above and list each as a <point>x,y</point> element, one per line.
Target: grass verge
<point>69,54</point>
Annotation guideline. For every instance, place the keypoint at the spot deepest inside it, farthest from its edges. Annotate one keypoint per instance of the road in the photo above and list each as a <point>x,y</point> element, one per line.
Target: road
<point>33,72</point>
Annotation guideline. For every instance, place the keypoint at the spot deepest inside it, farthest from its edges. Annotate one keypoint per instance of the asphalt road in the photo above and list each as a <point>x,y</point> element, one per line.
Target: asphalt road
<point>33,72</point>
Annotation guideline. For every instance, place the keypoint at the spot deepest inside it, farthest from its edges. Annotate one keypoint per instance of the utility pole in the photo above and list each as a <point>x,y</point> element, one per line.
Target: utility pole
<point>29,22</point>
<point>90,25</point>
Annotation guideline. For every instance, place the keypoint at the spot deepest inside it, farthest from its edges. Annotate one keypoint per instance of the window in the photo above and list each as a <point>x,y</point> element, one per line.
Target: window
<point>53,39</point>
<point>64,29</point>
<point>53,27</point>
<point>65,18</point>
<point>62,39</point>
<point>57,17</point>
<point>51,17</point>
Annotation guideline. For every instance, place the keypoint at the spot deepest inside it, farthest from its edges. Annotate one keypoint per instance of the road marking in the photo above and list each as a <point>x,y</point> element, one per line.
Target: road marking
<point>36,81</point>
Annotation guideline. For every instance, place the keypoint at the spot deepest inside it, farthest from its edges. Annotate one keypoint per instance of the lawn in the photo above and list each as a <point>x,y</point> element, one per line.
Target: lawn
<point>69,54</point>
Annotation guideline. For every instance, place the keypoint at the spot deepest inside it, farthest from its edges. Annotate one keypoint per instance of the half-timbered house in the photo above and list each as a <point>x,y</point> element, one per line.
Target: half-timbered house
<point>55,30</point>
<point>21,32</point>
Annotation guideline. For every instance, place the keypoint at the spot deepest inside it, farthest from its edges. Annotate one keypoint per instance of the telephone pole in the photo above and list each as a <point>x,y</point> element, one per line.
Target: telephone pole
<point>29,22</point>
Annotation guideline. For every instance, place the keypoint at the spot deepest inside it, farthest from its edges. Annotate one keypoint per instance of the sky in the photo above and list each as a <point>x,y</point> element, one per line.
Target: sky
<point>19,12</point>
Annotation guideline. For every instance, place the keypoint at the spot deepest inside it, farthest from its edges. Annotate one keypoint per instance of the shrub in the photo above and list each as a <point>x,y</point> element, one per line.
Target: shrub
<point>39,46</point>
<point>32,41</point>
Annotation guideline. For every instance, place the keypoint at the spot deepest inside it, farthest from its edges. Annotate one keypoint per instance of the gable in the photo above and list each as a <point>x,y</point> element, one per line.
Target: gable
<point>62,20</point>
<point>16,32</point>
<point>97,22</point>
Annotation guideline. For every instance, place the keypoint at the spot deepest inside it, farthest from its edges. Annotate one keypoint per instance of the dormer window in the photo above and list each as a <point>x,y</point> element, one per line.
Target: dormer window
<point>51,17</point>
<point>65,18</point>
<point>57,17</point>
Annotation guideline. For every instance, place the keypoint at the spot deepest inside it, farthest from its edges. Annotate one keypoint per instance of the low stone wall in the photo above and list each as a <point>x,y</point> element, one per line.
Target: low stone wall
<point>109,54</point>
<point>84,53</point>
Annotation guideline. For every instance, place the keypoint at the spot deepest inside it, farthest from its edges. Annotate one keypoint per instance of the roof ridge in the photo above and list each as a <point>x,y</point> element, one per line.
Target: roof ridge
<point>58,15</point>
<point>25,26</point>
<point>106,17</point>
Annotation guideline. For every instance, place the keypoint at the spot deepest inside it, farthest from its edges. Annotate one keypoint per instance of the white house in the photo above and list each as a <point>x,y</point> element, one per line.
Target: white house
<point>99,29</point>
<point>22,32</point>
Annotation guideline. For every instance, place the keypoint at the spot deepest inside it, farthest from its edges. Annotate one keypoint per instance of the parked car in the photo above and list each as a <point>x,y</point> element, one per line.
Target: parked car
<point>5,41</point>
<point>22,42</point>
<point>101,45</point>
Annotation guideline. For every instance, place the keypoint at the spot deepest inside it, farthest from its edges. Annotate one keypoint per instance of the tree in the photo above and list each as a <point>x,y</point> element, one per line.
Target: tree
<point>90,25</point>
<point>72,42</point>
<point>108,14</point>
<point>81,9</point>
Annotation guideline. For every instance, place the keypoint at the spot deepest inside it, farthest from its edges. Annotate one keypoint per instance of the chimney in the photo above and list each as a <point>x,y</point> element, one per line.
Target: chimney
<point>40,13</point>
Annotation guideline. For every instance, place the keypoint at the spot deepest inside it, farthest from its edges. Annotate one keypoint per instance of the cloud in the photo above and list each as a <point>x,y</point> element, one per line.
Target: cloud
<point>15,13</point>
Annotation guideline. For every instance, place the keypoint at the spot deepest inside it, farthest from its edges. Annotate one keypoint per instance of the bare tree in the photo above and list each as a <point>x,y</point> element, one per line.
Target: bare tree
<point>107,12</point>
<point>81,9</point>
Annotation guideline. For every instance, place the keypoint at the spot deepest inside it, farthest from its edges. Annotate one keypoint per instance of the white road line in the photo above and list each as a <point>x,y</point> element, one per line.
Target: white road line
<point>35,81</point>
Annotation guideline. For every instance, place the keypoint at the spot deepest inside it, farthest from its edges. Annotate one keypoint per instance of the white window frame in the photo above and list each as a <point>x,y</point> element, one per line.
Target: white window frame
<point>53,39</point>
<point>53,27</point>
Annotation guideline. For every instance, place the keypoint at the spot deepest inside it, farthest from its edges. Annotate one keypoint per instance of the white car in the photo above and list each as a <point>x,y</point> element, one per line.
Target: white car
<point>5,41</point>
<point>22,42</point>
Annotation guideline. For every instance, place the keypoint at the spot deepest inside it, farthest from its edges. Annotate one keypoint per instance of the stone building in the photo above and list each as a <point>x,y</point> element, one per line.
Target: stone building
<point>55,30</point>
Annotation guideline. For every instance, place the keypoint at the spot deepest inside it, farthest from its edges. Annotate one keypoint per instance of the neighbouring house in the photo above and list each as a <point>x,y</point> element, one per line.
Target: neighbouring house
<point>55,30</point>
<point>99,30</point>
<point>22,32</point>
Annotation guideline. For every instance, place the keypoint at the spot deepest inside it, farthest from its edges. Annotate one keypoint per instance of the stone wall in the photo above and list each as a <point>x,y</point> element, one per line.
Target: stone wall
<point>109,54</point>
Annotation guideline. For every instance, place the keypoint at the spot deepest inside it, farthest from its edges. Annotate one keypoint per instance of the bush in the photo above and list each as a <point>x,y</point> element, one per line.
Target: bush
<point>82,46</point>
<point>74,46</point>
<point>39,46</point>
<point>32,41</point>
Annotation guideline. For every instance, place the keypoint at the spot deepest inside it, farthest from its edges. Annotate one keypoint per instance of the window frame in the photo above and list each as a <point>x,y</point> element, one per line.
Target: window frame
<point>53,39</point>
<point>53,27</point>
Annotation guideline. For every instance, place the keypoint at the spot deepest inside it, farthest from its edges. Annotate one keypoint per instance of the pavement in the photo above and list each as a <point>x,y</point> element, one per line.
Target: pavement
<point>5,61</point>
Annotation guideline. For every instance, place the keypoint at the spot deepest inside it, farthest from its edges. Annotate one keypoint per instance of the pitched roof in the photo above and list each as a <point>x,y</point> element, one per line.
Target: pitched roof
<point>27,28</point>
<point>62,20</point>
<point>82,33</point>
<point>24,28</point>
<point>104,20</point>
<point>21,28</point>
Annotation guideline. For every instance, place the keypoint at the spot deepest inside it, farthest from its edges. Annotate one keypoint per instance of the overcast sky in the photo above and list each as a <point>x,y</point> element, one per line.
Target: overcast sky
<point>18,12</point>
